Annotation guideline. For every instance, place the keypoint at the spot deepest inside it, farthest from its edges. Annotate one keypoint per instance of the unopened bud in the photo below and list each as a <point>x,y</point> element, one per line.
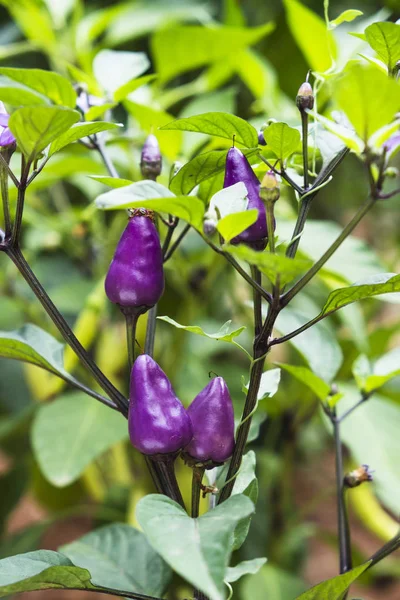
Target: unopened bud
<point>358,476</point>
<point>210,221</point>
<point>269,190</point>
<point>391,172</point>
<point>305,97</point>
<point>261,138</point>
<point>151,162</point>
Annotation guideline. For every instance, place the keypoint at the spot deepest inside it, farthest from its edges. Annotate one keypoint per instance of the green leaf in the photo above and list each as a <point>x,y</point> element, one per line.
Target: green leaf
<point>320,388</point>
<point>223,335</point>
<point>207,45</point>
<point>95,112</point>
<point>386,368</point>
<point>36,127</point>
<point>79,131</point>
<point>335,588</point>
<point>197,549</point>
<point>43,87</point>
<point>273,266</point>
<point>369,98</point>
<point>246,567</point>
<point>384,283</point>
<point>71,432</point>
<point>231,225</point>
<point>153,195</point>
<point>345,17</point>
<point>384,38</point>
<point>40,570</point>
<point>218,124</point>
<point>361,369</point>
<point>112,182</point>
<point>268,385</point>
<point>120,557</point>
<point>372,435</point>
<point>318,345</point>
<point>114,68</point>
<point>37,347</point>
<point>122,92</point>
<point>310,32</point>
<point>348,136</point>
<point>273,583</point>
<point>282,139</point>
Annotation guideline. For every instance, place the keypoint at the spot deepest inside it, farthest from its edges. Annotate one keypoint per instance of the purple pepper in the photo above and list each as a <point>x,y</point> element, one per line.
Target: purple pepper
<point>6,136</point>
<point>237,168</point>
<point>211,414</point>
<point>261,138</point>
<point>151,161</point>
<point>135,279</point>
<point>158,422</point>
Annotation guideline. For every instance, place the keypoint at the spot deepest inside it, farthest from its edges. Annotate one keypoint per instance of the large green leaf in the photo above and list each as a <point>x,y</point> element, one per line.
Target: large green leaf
<point>384,38</point>
<point>272,583</point>
<point>79,131</point>
<point>273,266</point>
<point>310,32</point>
<point>335,588</point>
<point>35,127</point>
<point>282,139</point>
<point>114,68</point>
<point>225,334</point>
<point>198,169</point>
<point>153,195</point>
<point>35,86</point>
<point>218,124</point>
<point>384,283</point>
<point>372,435</point>
<point>41,570</point>
<point>207,45</point>
<point>369,98</point>
<point>120,557</point>
<point>197,549</point>
<point>71,432</point>
<point>315,383</point>
<point>318,344</point>
<point>231,225</point>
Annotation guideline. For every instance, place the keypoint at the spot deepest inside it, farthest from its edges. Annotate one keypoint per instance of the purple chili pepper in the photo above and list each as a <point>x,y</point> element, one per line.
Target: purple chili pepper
<point>211,414</point>
<point>237,168</point>
<point>6,137</point>
<point>158,422</point>
<point>135,279</point>
<point>151,161</point>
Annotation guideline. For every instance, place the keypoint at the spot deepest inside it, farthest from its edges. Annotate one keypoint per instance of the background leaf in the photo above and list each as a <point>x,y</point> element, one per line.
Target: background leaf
<point>246,567</point>
<point>384,38</point>
<point>71,432</point>
<point>225,334</point>
<point>114,68</point>
<point>52,87</point>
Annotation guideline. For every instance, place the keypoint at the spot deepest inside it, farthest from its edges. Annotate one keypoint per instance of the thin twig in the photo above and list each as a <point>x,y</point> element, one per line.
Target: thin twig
<point>282,173</point>
<point>345,560</point>
<point>177,242</point>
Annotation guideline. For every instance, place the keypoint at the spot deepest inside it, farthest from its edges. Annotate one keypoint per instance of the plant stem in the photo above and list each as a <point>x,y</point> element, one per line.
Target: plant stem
<point>131,317</point>
<point>177,242</point>
<point>364,397</point>
<point>305,205</point>
<point>283,174</point>
<point>270,226</point>
<point>257,301</point>
<point>16,234</point>
<point>197,478</point>
<point>304,127</point>
<point>345,560</point>
<point>172,224</point>
<point>5,200</point>
<point>19,260</point>
<point>123,594</point>
<point>151,331</point>
<point>286,298</point>
<point>7,167</point>
<point>163,467</point>
<point>101,149</point>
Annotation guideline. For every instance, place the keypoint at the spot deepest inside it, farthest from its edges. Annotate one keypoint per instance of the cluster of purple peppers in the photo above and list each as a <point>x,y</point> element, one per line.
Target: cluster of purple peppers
<point>158,422</point>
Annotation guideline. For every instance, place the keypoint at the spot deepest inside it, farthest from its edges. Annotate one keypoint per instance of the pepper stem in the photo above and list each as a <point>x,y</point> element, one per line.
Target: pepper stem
<point>131,317</point>
<point>197,478</point>
<point>163,469</point>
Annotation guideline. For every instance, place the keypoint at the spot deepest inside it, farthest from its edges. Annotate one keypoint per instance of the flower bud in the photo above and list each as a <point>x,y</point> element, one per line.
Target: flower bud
<point>157,421</point>
<point>269,190</point>
<point>135,279</point>
<point>358,476</point>
<point>7,139</point>
<point>391,172</point>
<point>151,161</point>
<point>210,221</point>
<point>261,138</point>
<point>211,414</point>
<point>305,97</point>
<point>237,168</point>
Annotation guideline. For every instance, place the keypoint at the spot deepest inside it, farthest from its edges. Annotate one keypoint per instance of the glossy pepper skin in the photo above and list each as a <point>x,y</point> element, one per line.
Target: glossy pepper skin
<point>135,279</point>
<point>237,168</point>
<point>151,161</point>
<point>211,414</point>
<point>158,422</point>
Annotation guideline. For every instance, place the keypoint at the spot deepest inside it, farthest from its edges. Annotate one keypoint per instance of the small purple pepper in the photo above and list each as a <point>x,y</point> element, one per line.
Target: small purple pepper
<point>237,168</point>
<point>135,279</point>
<point>151,161</point>
<point>211,414</point>
<point>158,422</point>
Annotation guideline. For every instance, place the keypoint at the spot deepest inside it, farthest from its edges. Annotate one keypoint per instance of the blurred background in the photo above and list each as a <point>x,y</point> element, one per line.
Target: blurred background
<point>254,73</point>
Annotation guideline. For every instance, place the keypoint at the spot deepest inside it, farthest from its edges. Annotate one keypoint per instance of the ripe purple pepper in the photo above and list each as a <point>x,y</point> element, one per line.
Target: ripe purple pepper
<point>237,168</point>
<point>135,279</point>
<point>151,161</point>
<point>211,414</point>
<point>158,423</point>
